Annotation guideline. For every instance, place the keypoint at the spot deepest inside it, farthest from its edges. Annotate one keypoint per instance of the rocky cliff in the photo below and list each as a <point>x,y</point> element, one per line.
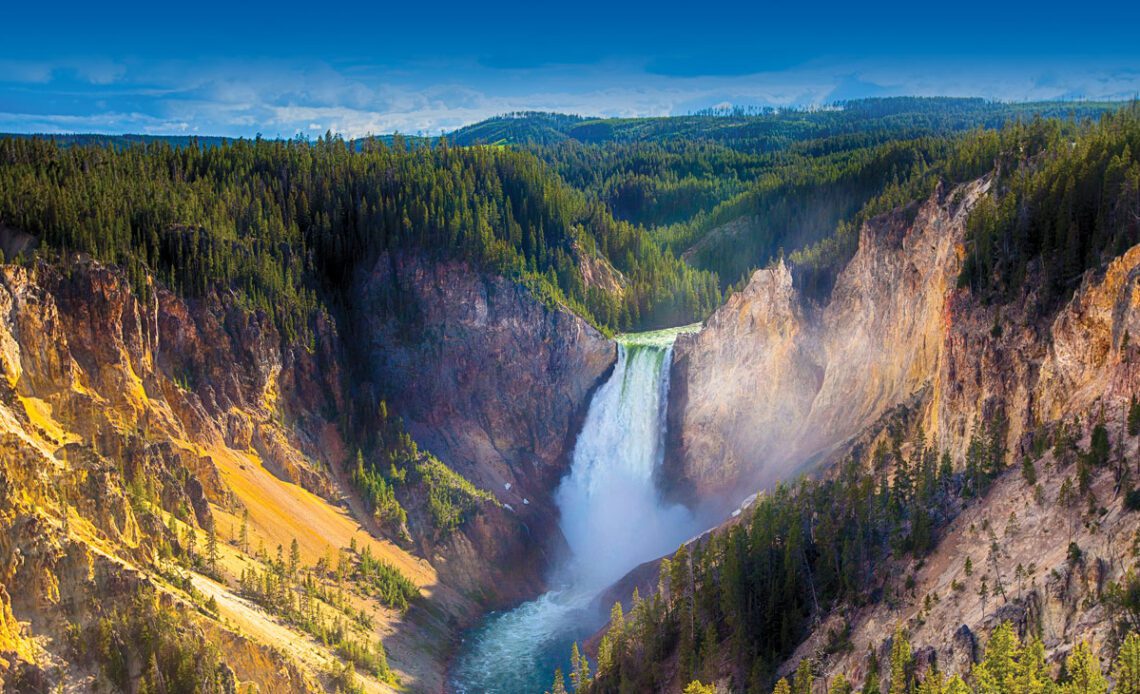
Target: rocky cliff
<point>490,380</point>
<point>136,427</point>
<point>112,407</point>
<point>774,382</point>
<point>1008,557</point>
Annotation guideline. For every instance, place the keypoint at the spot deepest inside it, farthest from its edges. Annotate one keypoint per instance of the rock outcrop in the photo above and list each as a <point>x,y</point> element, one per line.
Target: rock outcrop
<point>773,382</point>
<point>492,381</point>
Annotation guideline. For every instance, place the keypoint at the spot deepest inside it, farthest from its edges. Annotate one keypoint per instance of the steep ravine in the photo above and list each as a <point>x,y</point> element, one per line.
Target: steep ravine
<point>775,385</point>
<point>204,398</point>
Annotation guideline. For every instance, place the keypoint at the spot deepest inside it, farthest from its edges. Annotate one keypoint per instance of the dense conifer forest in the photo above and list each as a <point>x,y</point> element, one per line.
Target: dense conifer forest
<point>284,223</point>
<point>741,599</point>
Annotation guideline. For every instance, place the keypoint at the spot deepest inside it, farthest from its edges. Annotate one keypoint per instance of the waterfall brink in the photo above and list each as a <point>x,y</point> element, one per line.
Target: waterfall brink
<point>611,515</point>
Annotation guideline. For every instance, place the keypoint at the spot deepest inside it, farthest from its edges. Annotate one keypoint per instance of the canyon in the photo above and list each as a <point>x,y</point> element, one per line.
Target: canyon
<point>777,384</point>
<point>203,396</point>
<point>449,469</point>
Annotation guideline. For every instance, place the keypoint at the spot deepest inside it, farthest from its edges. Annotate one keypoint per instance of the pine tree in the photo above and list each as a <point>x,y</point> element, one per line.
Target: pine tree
<point>617,620</point>
<point>955,685</point>
<point>191,543</point>
<point>945,468</point>
<point>801,682</point>
<point>1133,417</point>
<point>580,668</point>
<point>294,558</point>
<point>1084,672</point>
<point>871,684</point>
<point>782,687</point>
<point>931,684</point>
<point>244,541</point>
<point>212,546</point>
<point>1099,447</point>
<point>1032,671</point>
<point>559,686</point>
<point>900,664</point>
<point>617,634</point>
<point>1127,669</point>
<point>1028,471</point>
<point>605,656</point>
<point>840,685</point>
<point>995,673</point>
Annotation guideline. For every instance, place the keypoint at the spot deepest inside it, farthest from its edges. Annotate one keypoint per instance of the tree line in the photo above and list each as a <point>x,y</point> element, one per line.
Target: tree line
<point>284,224</point>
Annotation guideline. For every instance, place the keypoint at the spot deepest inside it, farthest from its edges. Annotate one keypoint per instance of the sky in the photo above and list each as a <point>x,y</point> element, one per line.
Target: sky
<point>287,68</point>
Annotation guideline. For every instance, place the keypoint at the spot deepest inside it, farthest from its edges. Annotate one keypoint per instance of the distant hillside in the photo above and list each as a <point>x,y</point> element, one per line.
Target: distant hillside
<point>528,127</point>
<point>179,141</point>
<point>95,139</point>
<point>729,191</point>
<point>774,129</point>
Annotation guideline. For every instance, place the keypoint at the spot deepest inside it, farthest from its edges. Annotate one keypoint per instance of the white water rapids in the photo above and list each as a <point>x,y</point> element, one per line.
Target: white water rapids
<point>612,517</point>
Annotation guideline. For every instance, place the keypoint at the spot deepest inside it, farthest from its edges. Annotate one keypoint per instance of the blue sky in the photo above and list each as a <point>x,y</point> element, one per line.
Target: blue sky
<point>240,68</point>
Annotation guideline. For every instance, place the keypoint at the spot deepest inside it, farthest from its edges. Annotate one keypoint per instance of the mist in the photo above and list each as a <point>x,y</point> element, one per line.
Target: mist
<point>612,517</point>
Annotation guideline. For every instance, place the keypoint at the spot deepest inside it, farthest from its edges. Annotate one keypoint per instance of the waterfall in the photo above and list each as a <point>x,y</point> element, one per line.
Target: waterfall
<point>611,515</point>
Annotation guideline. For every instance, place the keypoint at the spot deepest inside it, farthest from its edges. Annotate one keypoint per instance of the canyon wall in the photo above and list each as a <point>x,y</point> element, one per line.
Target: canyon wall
<point>493,382</point>
<point>774,382</point>
<point>775,385</point>
<point>130,421</point>
<point>113,407</point>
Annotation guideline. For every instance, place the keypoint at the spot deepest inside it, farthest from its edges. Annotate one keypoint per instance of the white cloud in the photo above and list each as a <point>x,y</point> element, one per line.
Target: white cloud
<point>285,98</point>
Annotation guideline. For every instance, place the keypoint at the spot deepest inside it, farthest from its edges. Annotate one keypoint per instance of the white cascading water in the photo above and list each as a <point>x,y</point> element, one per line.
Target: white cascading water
<point>612,517</point>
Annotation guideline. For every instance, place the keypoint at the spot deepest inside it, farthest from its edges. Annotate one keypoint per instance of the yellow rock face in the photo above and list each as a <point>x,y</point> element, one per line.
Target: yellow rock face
<point>774,382</point>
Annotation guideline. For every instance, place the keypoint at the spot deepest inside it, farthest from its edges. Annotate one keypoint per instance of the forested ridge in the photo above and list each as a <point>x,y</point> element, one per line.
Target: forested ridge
<point>285,223</point>
<point>1066,202</point>
<point>757,130</point>
<point>730,190</point>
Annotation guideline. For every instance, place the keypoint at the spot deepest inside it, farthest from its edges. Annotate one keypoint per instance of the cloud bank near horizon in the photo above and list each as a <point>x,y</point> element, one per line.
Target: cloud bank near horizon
<point>309,97</point>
